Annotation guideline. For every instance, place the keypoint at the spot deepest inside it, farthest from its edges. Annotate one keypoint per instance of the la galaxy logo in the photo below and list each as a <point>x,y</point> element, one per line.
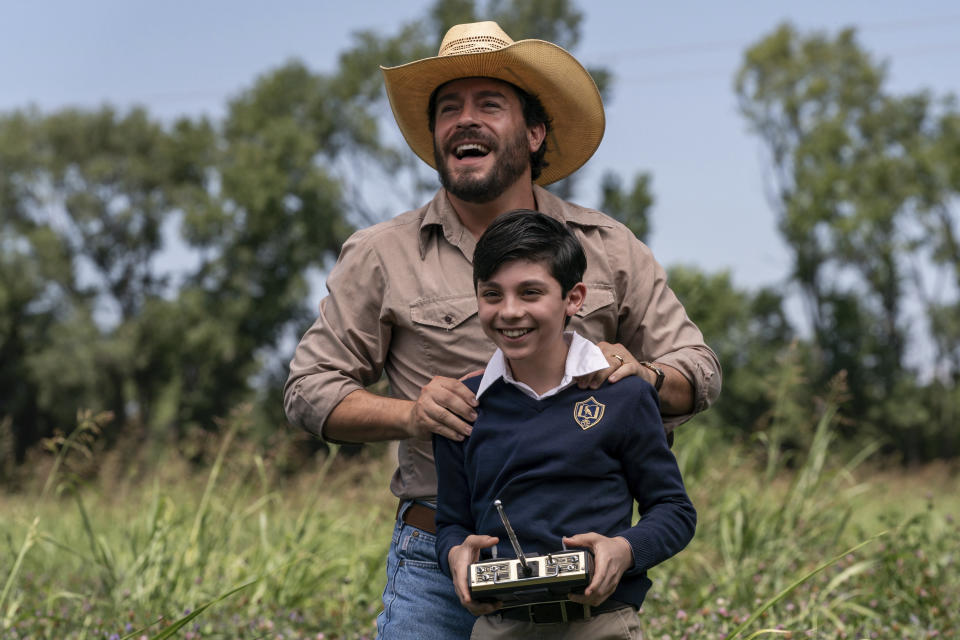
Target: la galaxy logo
<point>588,412</point>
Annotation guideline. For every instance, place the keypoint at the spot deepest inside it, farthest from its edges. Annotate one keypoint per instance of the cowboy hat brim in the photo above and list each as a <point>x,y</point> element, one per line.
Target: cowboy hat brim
<point>541,68</point>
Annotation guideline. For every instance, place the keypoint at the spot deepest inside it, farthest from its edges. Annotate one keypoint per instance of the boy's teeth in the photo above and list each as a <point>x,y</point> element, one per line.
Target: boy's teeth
<point>514,333</point>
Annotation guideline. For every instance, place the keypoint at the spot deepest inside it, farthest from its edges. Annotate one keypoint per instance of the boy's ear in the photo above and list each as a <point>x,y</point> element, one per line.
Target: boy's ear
<point>575,298</point>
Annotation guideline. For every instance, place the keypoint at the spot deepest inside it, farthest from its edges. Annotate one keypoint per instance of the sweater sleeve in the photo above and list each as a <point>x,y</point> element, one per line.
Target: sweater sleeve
<point>667,517</point>
<point>454,516</point>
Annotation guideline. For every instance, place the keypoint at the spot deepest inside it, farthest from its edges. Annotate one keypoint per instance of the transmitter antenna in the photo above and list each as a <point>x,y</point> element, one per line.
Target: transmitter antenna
<point>513,538</point>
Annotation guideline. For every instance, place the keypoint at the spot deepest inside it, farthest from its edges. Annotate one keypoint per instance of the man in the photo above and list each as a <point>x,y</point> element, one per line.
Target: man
<point>497,119</point>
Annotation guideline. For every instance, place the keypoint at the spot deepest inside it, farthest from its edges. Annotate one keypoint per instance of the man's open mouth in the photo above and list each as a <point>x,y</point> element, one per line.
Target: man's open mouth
<point>470,150</point>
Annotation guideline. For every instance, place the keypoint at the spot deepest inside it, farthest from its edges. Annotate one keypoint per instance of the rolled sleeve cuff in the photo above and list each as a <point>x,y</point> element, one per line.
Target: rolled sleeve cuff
<point>328,389</point>
<point>704,375</point>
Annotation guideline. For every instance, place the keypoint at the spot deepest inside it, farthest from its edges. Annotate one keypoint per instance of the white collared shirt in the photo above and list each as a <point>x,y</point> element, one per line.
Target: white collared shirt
<point>583,357</point>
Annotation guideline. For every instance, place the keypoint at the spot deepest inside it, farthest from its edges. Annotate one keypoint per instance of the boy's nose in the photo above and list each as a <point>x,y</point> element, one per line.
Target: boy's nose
<point>512,308</point>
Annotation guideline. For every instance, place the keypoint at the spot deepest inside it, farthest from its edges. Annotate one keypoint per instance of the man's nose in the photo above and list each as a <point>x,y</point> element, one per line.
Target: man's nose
<point>468,116</point>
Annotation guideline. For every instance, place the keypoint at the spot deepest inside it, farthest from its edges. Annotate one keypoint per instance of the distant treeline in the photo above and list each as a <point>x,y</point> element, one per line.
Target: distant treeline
<point>161,271</point>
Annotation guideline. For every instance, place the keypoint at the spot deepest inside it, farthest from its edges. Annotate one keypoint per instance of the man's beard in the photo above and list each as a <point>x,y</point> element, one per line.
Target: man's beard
<point>511,164</point>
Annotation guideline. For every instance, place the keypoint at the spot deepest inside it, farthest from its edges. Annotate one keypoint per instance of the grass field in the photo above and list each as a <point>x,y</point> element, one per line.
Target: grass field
<point>239,550</point>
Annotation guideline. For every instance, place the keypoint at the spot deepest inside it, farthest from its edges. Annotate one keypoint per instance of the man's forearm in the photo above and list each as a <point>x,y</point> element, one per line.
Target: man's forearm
<point>676,394</point>
<point>366,417</point>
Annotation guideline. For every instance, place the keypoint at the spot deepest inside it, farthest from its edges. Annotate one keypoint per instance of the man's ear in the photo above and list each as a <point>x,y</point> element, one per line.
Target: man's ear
<point>535,136</point>
<point>575,298</point>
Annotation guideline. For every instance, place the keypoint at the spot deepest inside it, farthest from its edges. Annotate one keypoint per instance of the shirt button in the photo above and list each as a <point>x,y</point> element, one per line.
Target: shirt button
<point>448,319</point>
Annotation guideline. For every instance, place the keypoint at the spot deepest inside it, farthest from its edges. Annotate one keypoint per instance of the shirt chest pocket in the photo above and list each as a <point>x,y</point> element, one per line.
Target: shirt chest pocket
<point>597,319</point>
<point>449,333</point>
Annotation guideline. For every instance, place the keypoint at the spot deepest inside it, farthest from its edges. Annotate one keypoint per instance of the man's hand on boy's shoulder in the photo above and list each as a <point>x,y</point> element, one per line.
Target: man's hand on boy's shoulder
<point>675,392</point>
<point>622,364</point>
<point>611,558</point>
<point>445,407</point>
<point>460,558</point>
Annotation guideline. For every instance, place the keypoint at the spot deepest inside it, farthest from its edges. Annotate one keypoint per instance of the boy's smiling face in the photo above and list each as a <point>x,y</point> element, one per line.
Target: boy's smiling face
<point>523,310</point>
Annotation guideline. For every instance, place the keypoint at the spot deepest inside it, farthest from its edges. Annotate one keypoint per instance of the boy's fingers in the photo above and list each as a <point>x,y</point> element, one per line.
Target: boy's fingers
<point>582,540</point>
<point>483,608</point>
<point>609,565</point>
<point>478,542</point>
<point>472,545</point>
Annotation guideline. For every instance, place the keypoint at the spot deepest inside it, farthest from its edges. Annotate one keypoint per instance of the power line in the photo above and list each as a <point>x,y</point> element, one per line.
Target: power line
<point>726,46</point>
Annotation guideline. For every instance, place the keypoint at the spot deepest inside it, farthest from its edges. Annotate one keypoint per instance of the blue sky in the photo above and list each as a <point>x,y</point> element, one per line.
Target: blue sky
<point>672,112</point>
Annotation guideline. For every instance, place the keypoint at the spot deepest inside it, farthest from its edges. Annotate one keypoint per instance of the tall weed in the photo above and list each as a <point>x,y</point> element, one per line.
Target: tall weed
<point>786,544</point>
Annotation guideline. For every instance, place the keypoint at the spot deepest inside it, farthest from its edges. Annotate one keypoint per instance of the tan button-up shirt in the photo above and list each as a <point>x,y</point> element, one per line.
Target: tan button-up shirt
<point>401,302</point>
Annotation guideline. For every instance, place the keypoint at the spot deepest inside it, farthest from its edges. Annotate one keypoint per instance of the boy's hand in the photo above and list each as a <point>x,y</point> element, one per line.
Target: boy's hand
<point>444,407</point>
<point>622,364</point>
<point>460,558</point>
<point>611,558</point>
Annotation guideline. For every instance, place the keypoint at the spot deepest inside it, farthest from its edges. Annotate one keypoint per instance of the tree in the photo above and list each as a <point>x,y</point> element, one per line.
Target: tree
<point>748,331</point>
<point>853,187</point>
<point>86,198</point>
<point>629,207</point>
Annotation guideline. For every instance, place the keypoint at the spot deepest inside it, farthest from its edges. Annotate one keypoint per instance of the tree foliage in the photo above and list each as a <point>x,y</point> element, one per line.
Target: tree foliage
<point>632,207</point>
<point>747,330</point>
<point>162,270</point>
<point>863,188</point>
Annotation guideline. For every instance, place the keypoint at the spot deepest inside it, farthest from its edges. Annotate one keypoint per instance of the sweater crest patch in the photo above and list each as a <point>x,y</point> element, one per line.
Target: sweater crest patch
<point>588,413</point>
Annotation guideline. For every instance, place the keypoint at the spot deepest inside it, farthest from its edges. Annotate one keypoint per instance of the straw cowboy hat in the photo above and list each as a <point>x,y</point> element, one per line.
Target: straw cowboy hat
<point>482,49</point>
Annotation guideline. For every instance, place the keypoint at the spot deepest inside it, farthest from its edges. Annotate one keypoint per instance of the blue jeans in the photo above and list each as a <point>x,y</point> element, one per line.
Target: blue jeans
<point>419,602</point>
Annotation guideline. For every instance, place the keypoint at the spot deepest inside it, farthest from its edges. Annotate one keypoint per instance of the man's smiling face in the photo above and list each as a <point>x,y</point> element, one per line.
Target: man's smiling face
<point>482,144</point>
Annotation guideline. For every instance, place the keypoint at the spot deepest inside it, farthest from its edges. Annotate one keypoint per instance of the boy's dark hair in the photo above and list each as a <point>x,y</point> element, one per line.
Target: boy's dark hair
<point>528,235</point>
<point>534,113</point>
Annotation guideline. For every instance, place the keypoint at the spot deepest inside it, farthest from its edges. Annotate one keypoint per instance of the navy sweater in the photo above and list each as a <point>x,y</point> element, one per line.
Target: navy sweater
<point>557,478</point>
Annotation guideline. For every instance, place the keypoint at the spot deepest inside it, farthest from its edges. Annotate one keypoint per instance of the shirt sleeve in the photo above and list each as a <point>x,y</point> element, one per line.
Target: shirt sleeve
<point>654,325</point>
<point>345,348</point>
<point>454,516</point>
<point>667,517</point>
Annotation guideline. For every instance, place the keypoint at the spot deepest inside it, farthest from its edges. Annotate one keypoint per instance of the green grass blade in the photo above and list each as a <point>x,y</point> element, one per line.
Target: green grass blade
<point>28,541</point>
<point>772,632</point>
<point>785,592</point>
<point>211,483</point>
<point>179,624</point>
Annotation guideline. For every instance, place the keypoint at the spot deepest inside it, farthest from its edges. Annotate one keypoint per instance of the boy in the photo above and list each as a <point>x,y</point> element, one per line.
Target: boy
<point>563,460</point>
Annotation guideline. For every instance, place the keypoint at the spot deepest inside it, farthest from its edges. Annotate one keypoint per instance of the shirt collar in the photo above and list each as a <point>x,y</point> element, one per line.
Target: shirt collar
<point>440,213</point>
<point>583,357</point>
